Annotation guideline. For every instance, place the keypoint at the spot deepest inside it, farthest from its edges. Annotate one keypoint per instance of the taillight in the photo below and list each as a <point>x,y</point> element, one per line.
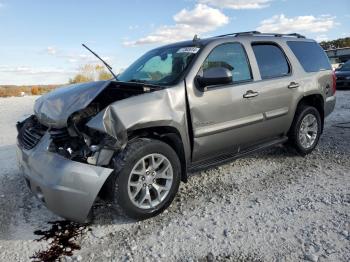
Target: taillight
<point>334,86</point>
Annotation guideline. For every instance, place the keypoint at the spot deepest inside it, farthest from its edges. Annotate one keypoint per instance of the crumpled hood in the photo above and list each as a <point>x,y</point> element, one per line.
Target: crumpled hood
<point>54,108</point>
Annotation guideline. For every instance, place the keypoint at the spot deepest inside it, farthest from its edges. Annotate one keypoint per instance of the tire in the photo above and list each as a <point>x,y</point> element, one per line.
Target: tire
<point>128,167</point>
<point>303,136</point>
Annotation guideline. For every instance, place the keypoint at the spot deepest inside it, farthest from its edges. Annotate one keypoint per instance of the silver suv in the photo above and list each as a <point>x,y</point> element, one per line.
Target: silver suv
<point>179,108</point>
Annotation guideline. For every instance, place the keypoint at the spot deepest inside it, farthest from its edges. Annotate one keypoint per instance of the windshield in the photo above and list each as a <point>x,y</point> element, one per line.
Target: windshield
<point>345,67</point>
<point>162,66</point>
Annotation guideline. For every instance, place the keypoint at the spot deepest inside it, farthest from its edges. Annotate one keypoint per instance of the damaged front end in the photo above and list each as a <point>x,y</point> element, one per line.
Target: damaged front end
<point>65,113</point>
<point>75,142</point>
<point>64,161</point>
<point>79,143</point>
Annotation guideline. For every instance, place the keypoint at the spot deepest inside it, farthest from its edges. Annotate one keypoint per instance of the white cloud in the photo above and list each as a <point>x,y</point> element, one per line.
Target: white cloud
<point>309,23</point>
<point>27,70</point>
<point>75,58</point>
<point>84,58</point>
<point>238,4</point>
<point>133,27</point>
<point>51,50</point>
<point>201,19</point>
<point>321,38</point>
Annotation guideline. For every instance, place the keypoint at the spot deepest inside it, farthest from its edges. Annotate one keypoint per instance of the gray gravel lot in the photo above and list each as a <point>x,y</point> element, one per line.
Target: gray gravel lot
<point>270,206</point>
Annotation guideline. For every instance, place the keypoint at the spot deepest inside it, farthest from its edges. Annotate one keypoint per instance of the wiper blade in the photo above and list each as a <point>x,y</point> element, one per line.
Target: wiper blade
<point>143,82</point>
<point>137,81</point>
<point>103,61</point>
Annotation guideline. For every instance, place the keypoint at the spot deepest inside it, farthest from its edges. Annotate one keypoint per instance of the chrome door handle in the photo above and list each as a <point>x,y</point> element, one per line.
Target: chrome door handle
<point>293,85</point>
<point>250,94</point>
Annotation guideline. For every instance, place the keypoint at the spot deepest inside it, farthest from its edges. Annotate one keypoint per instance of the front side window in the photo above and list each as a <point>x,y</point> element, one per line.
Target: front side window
<point>162,66</point>
<point>271,60</point>
<point>231,56</point>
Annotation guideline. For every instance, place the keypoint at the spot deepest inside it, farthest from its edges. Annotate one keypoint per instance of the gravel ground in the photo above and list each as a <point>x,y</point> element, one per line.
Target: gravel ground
<point>271,206</point>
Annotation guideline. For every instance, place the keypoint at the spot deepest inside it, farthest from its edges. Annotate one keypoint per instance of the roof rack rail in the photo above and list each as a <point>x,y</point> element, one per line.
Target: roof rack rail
<point>262,34</point>
<point>240,33</point>
<point>296,35</point>
<point>281,35</point>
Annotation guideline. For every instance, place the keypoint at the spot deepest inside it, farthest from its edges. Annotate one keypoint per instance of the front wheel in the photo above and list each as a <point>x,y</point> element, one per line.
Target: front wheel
<point>146,179</point>
<point>306,129</point>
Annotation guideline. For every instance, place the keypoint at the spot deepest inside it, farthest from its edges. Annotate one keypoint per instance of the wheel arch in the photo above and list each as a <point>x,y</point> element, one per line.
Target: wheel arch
<point>169,135</point>
<point>315,100</point>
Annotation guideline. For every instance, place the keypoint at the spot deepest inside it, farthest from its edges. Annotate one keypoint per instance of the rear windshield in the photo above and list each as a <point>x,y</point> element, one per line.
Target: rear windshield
<point>310,55</point>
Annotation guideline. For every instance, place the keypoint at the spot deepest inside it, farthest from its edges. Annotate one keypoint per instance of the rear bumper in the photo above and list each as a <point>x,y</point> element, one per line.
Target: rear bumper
<point>329,105</point>
<point>66,187</point>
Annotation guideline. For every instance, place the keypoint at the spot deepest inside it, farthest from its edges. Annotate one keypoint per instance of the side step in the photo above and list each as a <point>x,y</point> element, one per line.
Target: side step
<point>222,159</point>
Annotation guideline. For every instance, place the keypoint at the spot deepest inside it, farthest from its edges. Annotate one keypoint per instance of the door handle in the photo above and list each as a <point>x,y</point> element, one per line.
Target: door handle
<point>250,94</point>
<point>293,85</point>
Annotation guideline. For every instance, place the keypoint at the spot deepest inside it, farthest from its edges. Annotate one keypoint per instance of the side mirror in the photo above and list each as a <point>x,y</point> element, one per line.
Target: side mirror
<point>214,76</point>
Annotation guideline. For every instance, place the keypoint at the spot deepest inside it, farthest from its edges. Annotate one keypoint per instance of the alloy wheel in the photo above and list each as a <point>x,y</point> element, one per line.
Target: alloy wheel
<point>308,131</point>
<point>150,181</point>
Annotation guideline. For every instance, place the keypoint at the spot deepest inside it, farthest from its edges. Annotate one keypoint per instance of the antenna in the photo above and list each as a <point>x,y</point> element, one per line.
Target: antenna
<point>196,38</point>
<point>103,61</point>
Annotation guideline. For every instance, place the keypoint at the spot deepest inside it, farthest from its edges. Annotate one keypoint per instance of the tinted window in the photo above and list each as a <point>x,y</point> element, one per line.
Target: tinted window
<point>163,66</point>
<point>233,57</point>
<point>271,60</point>
<point>310,55</point>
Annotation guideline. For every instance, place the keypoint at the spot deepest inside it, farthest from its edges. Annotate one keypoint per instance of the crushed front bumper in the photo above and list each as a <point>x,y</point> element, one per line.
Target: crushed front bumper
<point>66,187</point>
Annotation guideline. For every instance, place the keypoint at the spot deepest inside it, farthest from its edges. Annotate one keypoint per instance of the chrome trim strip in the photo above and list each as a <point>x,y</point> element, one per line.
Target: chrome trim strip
<point>276,113</point>
<point>225,126</point>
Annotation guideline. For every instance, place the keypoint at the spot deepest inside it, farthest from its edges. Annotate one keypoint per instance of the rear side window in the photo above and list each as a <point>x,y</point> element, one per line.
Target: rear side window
<point>310,55</point>
<point>271,60</point>
<point>233,57</point>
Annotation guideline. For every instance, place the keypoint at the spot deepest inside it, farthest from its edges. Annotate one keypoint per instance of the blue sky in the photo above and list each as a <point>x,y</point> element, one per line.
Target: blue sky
<point>41,40</point>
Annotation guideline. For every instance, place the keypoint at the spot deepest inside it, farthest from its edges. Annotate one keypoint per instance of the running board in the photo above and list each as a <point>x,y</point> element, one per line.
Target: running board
<point>222,159</point>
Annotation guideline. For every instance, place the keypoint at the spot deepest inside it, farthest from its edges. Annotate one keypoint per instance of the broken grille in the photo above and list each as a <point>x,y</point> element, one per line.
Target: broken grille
<point>31,133</point>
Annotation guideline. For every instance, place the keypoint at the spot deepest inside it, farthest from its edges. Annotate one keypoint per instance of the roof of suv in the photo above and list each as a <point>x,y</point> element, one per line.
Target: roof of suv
<point>251,34</point>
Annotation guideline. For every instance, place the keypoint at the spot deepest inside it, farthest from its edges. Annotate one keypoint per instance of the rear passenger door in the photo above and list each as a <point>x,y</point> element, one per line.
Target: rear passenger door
<point>276,86</point>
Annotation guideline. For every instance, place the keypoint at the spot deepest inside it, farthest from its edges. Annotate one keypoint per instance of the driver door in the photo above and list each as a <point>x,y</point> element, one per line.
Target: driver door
<point>224,117</point>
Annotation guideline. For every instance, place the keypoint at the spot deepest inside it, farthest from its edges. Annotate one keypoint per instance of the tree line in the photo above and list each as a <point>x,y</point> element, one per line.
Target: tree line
<point>338,43</point>
<point>88,73</point>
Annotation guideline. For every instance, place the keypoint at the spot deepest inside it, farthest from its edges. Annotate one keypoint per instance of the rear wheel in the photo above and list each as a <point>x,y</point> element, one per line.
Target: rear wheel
<point>306,129</point>
<point>146,179</point>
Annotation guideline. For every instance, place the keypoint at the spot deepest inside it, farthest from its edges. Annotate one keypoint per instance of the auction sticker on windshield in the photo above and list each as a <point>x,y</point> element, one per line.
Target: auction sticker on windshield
<point>191,49</point>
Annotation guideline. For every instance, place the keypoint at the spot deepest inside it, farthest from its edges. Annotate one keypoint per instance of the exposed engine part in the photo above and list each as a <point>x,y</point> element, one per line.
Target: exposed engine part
<point>77,120</point>
<point>80,143</point>
<point>101,157</point>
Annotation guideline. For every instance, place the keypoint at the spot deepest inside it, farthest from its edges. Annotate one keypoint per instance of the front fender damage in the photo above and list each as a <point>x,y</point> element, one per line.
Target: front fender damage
<point>163,108</point>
